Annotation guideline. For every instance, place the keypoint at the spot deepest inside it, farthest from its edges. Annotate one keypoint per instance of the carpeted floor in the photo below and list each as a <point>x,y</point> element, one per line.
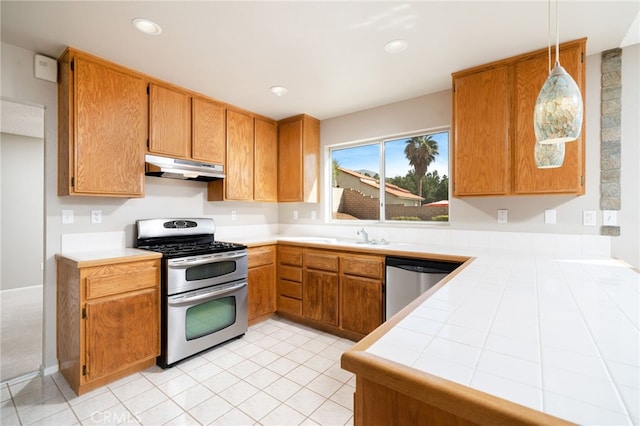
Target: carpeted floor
<point>21,338</point>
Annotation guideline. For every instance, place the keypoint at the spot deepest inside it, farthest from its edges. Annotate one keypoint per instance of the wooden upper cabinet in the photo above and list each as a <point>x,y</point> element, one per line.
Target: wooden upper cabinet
<point>169,122</point>
<point>493,137</point>
<point>299,159</point>
<point>208,143</point>
<point>481,129</point>
<point>266,161</point>
<point>102,131</point>
<point>530,75</point>
<point>239,170</point>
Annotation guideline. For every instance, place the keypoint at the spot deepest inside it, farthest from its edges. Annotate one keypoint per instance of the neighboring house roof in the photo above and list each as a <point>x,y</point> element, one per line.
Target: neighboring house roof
<point>388,188</point>
<point>441,203</point>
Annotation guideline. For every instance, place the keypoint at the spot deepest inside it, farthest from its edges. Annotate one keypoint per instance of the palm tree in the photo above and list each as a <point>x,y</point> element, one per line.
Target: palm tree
<point>421,151</point>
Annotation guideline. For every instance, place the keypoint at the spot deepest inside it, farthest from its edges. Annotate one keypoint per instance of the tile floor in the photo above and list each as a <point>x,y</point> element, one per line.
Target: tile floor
<point>279,373</point>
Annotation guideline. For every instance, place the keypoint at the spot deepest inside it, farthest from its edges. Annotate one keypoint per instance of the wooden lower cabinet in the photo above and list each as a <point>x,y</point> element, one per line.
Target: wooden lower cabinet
<point>361,304</point>
<point>361,278</point>
<point>262,283</point>
<point>320,296</point>
<point>108,319</point>
<point>337,291</point>
<point>289,281</point>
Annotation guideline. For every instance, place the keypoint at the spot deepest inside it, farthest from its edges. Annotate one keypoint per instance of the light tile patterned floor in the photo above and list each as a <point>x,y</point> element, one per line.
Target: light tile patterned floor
<point>279,373</point>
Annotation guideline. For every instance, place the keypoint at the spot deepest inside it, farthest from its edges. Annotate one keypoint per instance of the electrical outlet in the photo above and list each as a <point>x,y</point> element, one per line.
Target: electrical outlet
<point>314,215</point>
<point>234,216</point>
<point>67,217</point>
<point>503,216</point>
<point>550,217</point>
<point>96,216</point>
<point>295,215</point>
<point>589,218</point>
<point>610,217</point>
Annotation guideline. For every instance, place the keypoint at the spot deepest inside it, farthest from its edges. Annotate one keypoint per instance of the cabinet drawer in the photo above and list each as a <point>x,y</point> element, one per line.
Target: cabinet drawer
<point>289,305</point>
<point>363,266</point>
<point>321,260</point>
<point>106,285</point>
<point>260,256</point>
<point>290,273</point>
<point>289,289</point>
<point>290,256</point>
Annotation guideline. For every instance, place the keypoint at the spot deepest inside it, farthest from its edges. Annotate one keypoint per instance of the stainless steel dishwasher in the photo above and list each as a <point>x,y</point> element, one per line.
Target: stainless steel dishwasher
<point>406,279</point>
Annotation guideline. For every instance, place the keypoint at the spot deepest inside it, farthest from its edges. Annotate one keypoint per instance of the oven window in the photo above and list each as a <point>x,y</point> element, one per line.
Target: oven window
<point>209,317</point>
<point>210,270</point>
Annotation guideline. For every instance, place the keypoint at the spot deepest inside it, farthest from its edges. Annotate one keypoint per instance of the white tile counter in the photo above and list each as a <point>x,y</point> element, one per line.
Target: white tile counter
<point>556,335</point>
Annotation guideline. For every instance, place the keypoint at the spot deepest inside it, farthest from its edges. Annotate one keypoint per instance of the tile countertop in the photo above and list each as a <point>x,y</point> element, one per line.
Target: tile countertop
<point>556,334</point>
<point>111,255</point>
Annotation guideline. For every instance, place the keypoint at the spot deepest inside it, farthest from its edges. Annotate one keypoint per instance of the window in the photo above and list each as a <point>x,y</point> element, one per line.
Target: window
<point>409,173</point>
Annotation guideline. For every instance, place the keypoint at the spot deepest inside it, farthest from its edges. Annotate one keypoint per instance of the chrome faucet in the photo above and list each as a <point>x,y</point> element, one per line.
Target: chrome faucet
<point>364,235</point>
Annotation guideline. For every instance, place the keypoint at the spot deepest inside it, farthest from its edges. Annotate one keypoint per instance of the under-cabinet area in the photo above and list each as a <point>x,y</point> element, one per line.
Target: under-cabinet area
<point>108,318</point>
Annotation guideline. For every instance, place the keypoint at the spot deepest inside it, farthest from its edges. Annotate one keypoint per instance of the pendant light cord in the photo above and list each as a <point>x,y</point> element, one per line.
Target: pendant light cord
<point>557,36</point>
<point>549,33</point>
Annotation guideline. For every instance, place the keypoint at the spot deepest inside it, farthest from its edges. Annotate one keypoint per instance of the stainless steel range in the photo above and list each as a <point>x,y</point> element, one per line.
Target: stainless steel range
<point>204,285</point>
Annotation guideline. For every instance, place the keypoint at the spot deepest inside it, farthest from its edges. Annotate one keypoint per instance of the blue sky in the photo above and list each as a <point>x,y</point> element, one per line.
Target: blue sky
<point>366,157</point>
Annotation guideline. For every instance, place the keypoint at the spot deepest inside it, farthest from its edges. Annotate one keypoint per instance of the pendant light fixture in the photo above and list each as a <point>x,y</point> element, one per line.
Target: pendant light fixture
<point>549,155</point>
<point>557,115</point>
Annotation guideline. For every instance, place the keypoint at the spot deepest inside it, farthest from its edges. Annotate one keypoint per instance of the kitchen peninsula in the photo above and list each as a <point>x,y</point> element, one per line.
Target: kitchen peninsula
<point>509,338</point>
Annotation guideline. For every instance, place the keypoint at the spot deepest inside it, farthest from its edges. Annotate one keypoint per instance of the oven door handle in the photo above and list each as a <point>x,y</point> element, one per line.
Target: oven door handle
<point>210,295</point>
<point>203,260</point>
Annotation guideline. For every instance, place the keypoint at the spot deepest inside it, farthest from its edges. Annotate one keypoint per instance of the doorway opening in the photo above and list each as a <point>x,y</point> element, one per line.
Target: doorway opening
<point>22,246</point>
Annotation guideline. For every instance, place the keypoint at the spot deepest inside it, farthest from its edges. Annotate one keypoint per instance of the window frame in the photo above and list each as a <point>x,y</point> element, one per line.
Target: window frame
<point>380,141</point>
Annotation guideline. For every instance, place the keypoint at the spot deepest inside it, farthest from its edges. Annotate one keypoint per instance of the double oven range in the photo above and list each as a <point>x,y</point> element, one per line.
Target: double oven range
<point>204,285</point>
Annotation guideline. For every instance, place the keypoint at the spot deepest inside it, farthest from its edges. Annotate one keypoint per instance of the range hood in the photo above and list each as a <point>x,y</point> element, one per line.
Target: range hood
<point>176,168</point>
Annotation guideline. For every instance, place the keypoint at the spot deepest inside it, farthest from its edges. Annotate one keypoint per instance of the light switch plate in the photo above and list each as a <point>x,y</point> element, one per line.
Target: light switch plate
<point>610,217</point>
<point>589,218</point>
<point>550,216</point>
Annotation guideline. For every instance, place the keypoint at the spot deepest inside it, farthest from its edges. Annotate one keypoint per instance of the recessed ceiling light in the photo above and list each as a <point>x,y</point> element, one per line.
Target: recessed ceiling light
<point>396,46</point>
<point>278,90</point>
<point>146,26</point>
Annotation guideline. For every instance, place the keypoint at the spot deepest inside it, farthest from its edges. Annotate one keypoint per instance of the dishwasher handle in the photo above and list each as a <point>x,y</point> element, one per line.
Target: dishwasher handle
<point>422,266</point>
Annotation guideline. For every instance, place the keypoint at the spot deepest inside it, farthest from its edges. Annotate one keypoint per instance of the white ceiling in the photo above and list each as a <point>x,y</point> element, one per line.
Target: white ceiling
<point>328,54</point>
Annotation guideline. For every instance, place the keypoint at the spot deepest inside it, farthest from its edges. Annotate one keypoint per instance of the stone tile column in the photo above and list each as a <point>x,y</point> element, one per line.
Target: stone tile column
<point>610,160</point>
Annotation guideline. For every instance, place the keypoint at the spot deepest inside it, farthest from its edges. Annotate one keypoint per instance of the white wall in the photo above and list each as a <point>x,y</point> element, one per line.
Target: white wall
<point>22,204</point>
<point>627,246</point>
<point>526,214</point>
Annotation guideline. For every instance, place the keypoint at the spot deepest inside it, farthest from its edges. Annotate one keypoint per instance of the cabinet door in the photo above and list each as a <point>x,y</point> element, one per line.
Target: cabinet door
<point>110,129</point>
<point>265,184</point>
<point>530,75</point>
<point>290,161</point>
<point>320,296</point>
<point>239,174</point>
<point>262,291</point>
<point>121,331</point>
<point>361,304</point>
<point>208,143</point>
<point>169,122</point>
<point>481,133</point>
